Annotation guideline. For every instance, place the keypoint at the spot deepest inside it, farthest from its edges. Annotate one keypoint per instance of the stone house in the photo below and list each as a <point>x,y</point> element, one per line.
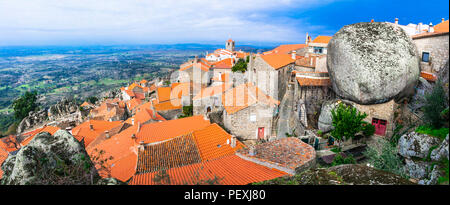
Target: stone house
<point>209,99</point>
<point>270,73</point>
<point>310,90</point>
<point>248,112</point>
<point>318,45</point>
<point>433,47</point>
<point>196,71</point>
<point>381,116</point>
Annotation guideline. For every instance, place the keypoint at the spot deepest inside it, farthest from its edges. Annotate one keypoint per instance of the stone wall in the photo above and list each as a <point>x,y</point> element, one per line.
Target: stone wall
<point>213,102</point>
<point>383,111</point>
<point>437,46</point>
<point>240,124</point>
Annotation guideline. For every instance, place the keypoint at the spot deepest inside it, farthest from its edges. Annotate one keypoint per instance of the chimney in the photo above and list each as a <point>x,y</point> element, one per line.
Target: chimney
<point>420,27</point>
<point>133,136</point>
<point>430,28</point>
<point>132,121</point>
<point>306,41</point>
<point>107,134</point>
<point>139,127</point>
<point>141,146</point>
<point>69,130</point>
<point>396,20</point>
<point>91,126</point>
<point>233,141</point>
<point>294,55</point>
<point>442,20</point>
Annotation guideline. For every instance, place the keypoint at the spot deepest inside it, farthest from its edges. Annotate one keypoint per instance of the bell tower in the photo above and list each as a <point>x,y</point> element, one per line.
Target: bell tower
<point>229,45</point>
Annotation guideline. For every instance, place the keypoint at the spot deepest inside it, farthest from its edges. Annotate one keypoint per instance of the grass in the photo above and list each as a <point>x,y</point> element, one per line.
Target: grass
<point>439,133</point>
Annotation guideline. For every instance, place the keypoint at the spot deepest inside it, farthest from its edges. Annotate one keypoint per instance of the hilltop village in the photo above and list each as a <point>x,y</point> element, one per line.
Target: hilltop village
<point>236,118</point>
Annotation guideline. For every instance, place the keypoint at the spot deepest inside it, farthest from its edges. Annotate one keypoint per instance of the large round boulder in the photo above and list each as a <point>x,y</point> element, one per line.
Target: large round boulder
<point>372,63</point>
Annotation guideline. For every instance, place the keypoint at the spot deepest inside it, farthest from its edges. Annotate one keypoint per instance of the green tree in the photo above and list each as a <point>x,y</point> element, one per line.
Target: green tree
<point>24,104</point>
<point>435,103</point>
<point>347,121</point>
<point>92,99</point>
<point>240,66</point>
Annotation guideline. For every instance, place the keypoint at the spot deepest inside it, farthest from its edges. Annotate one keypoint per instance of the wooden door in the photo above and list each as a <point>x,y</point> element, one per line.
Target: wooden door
<point>380,126</point>
<point>261,133</point>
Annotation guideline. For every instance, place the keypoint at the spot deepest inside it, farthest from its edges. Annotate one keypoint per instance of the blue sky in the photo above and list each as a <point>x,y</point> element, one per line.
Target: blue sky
<point>257,22</point>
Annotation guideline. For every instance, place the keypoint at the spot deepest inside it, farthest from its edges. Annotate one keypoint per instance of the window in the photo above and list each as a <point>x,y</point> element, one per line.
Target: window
<point>318,50</point>
<point>252,118</point>
<point>425,57</point>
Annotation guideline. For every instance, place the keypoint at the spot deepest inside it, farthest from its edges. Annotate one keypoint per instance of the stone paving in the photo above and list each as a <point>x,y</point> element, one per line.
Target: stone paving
<point>289,152</point>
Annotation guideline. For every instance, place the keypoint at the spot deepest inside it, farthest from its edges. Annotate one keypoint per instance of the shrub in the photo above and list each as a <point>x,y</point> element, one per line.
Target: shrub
<point>187,111</point>
<point>384,157</point>
<point>368,129</point>
<point>440,133</point>
<point>240,66</point>
<point>435,103</point>
<point>339,159</point>
<point>347,121</point>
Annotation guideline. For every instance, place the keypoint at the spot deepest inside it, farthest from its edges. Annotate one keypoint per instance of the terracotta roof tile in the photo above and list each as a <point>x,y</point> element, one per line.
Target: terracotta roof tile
<point>3,155</point>
<point>85,103</point>
<point>9,143</point>
<point>84,131</point>
<point>224,64</point>
<point>164,93</point>
<point>50,129</point>
<point>285,49</point>
<point>156,132</point>
<point>243,96</point>
<point>278,61</point>
<point>322,39</point>
<point>428,76</point>
<point>305,81</point>
<point>231,170</point>
<point>442,27</point>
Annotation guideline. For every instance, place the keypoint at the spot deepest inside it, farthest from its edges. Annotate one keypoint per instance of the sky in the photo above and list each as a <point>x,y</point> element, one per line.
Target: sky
<point>248,22</point>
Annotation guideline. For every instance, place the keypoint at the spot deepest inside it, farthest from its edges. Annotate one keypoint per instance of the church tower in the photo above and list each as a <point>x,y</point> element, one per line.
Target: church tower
<point>229,45</point>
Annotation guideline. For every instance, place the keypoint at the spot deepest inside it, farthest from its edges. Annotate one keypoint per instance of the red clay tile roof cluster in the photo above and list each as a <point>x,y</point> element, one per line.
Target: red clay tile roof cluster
<point>289,152</point>
<point>133,103</point>
<point>85,103</point>
<point>230,170</point>
<point>243,96</point>
<point>157,132</point>
<point>224,64</point>
<point>50,129</point>
<point>285,49</point>
<point>428,76</point>
<point>277,61</point>
<point>9,143</point>
<point>3,155</point>
<point>201,64</point>
<point>110,108</point>
<point>84,131</point>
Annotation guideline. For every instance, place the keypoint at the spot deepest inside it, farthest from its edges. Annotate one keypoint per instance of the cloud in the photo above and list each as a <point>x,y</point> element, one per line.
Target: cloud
<point>155,21</point>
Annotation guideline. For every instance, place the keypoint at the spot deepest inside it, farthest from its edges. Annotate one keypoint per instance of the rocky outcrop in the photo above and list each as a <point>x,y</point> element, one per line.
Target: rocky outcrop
<point>441,152</point>
<point>111,94</point>
<point>372,63</point>
<point>416,145</point>
<point>443,77</point>
<point>32,120</point>
<point>325,118</point>
<point>422,152</point>
<point>348,174</point>
<point>62,108</point>
<point>47,159</point>
<point>110,181</point>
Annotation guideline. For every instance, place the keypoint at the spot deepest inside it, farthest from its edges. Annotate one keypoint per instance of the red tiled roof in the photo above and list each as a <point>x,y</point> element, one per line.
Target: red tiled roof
<point>231,170</point>
<point>156,132</point>
<point>285,49</point>
<point>86,104</point>
<point>84,132</point>
<point>428,76</point>
<point>442,27</point>
<point>278,61</point>
<point>3,155</point>
<point>9,143</point>
<point>243,96</point>
<point>123,150</point>
<point>322,39</point>
<point>304,81</point>
<point>133,103</point>
<point>214,142</point>
<point>164,93</point>
<point>173,104</point>
<point>50,129</point>
<point>224,64</point>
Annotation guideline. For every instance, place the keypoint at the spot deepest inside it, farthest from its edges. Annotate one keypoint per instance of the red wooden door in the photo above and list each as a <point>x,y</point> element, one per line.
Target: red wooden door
<point>261,133</point>
<point>380,126</point>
